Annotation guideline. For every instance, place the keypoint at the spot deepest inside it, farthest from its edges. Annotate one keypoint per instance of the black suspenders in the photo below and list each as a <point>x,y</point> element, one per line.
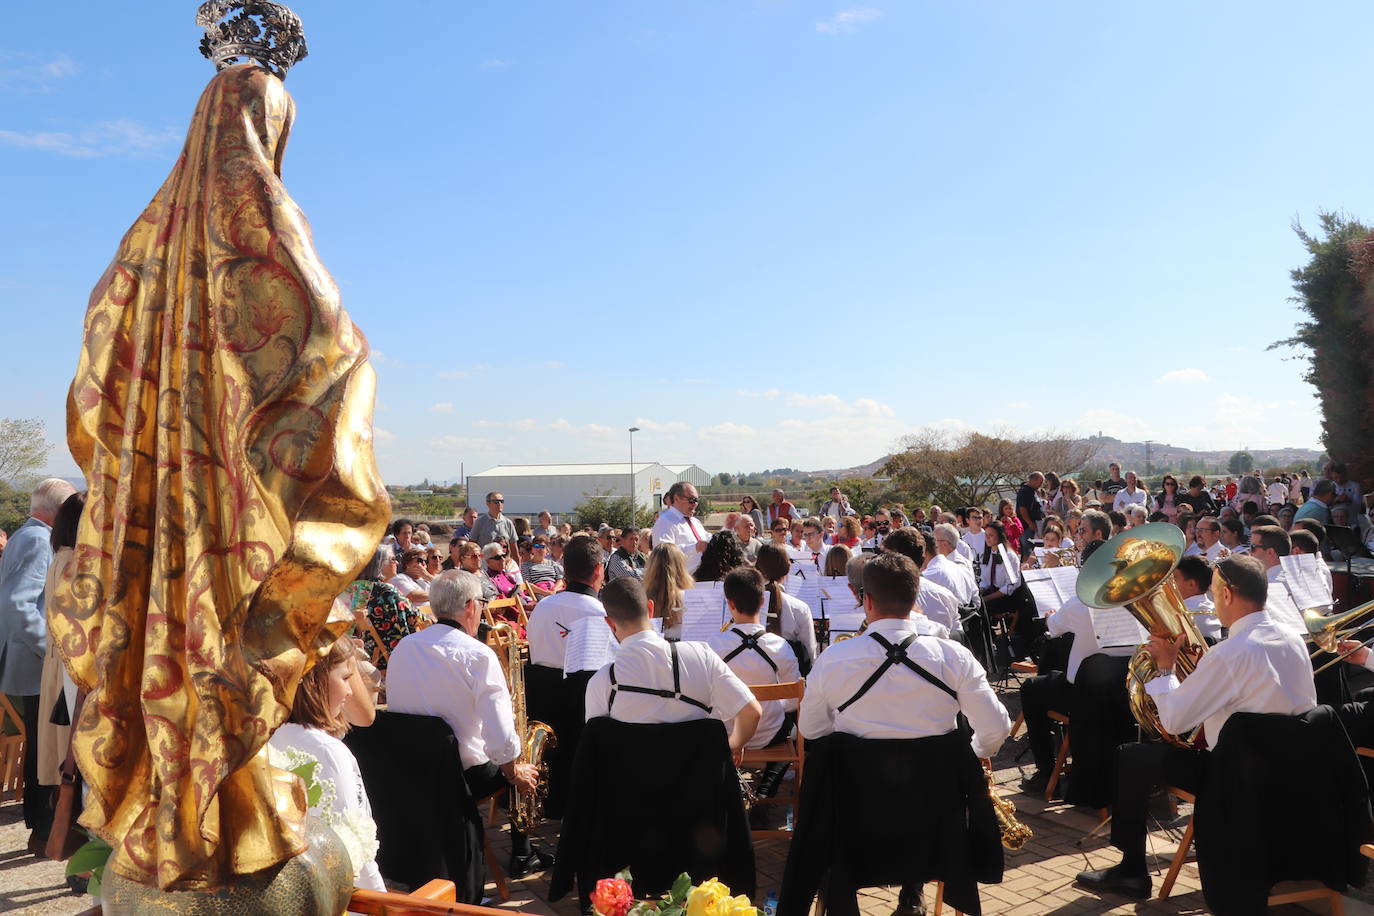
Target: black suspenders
<point>751,641</point>
<point>896,655</point>
<point>674,694</point>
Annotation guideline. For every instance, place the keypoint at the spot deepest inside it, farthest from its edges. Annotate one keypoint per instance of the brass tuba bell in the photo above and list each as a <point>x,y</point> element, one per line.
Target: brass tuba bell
<point>1135,570</point>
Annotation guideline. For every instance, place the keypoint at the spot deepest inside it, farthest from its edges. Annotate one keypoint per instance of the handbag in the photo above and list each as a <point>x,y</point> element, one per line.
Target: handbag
<point>64,838</point>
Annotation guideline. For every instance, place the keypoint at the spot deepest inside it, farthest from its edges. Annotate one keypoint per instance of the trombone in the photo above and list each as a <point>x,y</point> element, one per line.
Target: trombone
<point>1327,632</point>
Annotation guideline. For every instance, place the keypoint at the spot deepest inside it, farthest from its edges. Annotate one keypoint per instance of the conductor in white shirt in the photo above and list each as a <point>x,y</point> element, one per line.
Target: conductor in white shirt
<point>442,671</point>
<point>1259,667</point>
<point>678,526</point>
<point>655,681</point>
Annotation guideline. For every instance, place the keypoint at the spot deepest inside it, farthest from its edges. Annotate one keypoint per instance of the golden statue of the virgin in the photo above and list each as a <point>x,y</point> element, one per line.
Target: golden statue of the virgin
<point>222,414</point>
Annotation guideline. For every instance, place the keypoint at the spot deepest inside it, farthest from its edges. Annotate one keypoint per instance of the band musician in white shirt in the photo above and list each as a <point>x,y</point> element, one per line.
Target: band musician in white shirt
<point>1259,667</point>
<point>655,681</point>
<point>677,524</point>
<point>443,671</point>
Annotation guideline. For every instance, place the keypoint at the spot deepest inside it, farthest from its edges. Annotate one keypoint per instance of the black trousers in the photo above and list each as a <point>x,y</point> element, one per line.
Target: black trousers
<point>1139,768</point>
<point>1102,721</point>
<point>38,800</point>
<point>1039,696</point>
<point>486,779</point>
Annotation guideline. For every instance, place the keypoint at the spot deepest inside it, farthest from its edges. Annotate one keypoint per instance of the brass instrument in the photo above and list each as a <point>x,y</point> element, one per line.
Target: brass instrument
<point>1063,556</point>
<point>1014,833</point>
<point>526,810</point>
<point>746,788</point>
<point>1326,632</point>
<point>1135,569</point>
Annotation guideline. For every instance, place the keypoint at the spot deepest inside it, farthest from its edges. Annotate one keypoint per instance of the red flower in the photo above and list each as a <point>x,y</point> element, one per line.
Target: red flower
<point>612,897</point>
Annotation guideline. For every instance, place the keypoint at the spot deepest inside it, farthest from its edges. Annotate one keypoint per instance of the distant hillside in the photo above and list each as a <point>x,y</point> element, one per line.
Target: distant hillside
<point>1132,455</point>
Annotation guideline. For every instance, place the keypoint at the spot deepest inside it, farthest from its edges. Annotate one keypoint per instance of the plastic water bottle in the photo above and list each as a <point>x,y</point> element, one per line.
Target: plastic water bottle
<point>770,904</point>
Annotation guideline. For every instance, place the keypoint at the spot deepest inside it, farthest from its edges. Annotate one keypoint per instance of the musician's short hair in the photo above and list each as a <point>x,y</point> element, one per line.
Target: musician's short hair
<point>812,522</point>
<point>928,540</point>
<point>1304,542</point>
<point>744,589</point>
<point>625,601</point>
<point>581,557</point>
<point>1311,524</point>
<point>451,591</point>
<point>1198,570</point>
<point>1099,522</point>
<point>1245,575</point>
<point>890,582</point>
<point>908,542</point>
<point>1274,538</point>
<point>854,571</point>
<point>1265,519</point>
<point>947,533</point>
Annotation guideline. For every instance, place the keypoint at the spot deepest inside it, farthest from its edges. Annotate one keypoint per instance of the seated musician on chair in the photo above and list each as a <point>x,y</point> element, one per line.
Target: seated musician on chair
<point>758,657</point>
<point>653,680</point>
<point>1053,691</point>
<point>443,671</point>
<point>1260,667</point>
<point>897,681</point>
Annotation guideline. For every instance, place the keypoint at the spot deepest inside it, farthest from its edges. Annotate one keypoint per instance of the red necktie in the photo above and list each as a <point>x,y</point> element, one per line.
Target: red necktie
<point>693,528</point>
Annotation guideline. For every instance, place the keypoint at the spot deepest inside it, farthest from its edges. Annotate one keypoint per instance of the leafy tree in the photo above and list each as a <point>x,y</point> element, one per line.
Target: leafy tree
<point>971,469</point>
<point>1241,463</point>
<point>602,507</point>
<point>1331,289</point>
<point>23,449</point>
<point>724,479</point>
<point>436,506</point>
<point>14,507</point>
<point>865,494</point>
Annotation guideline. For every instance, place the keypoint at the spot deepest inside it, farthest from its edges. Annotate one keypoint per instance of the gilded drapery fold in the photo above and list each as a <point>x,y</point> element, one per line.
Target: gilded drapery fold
<point>222,414</point>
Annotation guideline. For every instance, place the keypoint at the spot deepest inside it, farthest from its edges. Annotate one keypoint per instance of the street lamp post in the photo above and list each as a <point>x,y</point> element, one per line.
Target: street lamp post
<point>634,518</point>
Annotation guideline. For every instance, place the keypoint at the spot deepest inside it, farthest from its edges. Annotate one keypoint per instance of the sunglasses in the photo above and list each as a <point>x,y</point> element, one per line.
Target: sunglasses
<point>496,500</point>
<point>539,546</point>
<point>691,499</point>
<point>497,556</point>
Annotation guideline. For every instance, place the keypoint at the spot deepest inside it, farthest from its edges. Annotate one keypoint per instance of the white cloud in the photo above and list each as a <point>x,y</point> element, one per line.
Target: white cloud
<point>445,407</point>
<point>1017,405</point>
<point>1112,423</point>
<point>107,138</point>
<point>674,426</point>
<point>554,364</point>
<point>60,66</point>
<point>861,407</point>
<point>590,429</point>
<point>769,395</point>
<point>1182,375</point>
<point>850,20</point>
<point>460,443</point>
<point>383,435</point>
<point>27,74</point>
<point>453,374</point>
<point>726,431</point>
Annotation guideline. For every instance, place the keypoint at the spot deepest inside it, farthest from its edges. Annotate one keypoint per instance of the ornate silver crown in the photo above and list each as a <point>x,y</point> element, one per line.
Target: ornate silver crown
<point>237,31</point>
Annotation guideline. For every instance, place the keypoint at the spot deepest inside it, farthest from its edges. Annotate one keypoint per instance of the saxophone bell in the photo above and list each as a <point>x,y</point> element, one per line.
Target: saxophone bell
<point>536,738</point>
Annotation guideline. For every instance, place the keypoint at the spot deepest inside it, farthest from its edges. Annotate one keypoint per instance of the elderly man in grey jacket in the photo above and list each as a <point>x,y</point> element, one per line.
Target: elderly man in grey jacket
<point>24,636</point>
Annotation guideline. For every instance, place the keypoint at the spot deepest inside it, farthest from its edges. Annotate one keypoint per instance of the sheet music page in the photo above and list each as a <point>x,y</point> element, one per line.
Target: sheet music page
<point>589,646</point>
<point>1043,588</point>
<point>703,611</point>
<point>836,598</point>
<point>1305,581</point>
<point>1011,563</point>
<point>845,623</point>
<point>1066,581</point>
<point>806,589</point>
<point>1115,627</point>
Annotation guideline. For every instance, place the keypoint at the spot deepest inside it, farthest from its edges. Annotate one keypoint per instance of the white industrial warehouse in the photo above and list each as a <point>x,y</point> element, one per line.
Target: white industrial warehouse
<point>533,488</point>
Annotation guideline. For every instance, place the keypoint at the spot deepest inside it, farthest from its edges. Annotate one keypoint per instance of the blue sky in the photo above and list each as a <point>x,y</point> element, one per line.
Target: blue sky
<point>767,233</point>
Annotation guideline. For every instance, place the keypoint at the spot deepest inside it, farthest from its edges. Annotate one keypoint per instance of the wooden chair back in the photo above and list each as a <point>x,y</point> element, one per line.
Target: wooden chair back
<point>11,751</point>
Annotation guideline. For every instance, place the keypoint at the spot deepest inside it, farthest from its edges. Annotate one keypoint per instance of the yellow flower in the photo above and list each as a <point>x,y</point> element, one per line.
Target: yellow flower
<point>735,906</point>
<point>704,899</point>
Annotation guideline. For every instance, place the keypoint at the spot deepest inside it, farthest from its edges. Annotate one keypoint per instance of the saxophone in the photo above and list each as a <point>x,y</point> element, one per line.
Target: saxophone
<point>526,810</point>
<point>1014,833</point>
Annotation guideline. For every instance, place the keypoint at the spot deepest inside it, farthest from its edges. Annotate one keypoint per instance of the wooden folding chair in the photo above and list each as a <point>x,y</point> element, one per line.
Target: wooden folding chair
<point>381,655</point>
<point>939,901</point>
<point>12,751</point>
<point>791,749</point>
<point>1185,855</point>
<point>1061,759</point>
<point>437,897</point>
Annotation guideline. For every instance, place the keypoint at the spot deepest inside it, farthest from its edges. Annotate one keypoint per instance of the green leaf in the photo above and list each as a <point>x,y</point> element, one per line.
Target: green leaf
<point>681,886</point>
<point>93,887</point>
<point>624,875</point>
<point>89,857</point>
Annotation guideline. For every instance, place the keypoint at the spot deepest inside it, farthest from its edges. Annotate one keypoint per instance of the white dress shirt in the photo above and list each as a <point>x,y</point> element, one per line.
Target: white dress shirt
<point>752,669</point>
<point>954,576</point>
<point>927,627</point>
<point>796,621</point>
<point>643,660</point>
<point>1259,667</point>
<point>1076,618</point>
<point>1125,497</point>
<point>1280,605</point>
<point>938,604</point>
<point>963,552</point>
<point>553,618</point>
<point>976,541</point>
<point>442,671</point>
<point>1213,553</point>
<point>901,704</point>
<point>682,531</point>
<point>1204,615</point>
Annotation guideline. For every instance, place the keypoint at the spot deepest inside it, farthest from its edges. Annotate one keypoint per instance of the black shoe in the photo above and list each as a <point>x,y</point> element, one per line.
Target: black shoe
<point>1116,880</point>
<point>524,866</point>
<point>1035,785</point>
<point>910,909</point>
